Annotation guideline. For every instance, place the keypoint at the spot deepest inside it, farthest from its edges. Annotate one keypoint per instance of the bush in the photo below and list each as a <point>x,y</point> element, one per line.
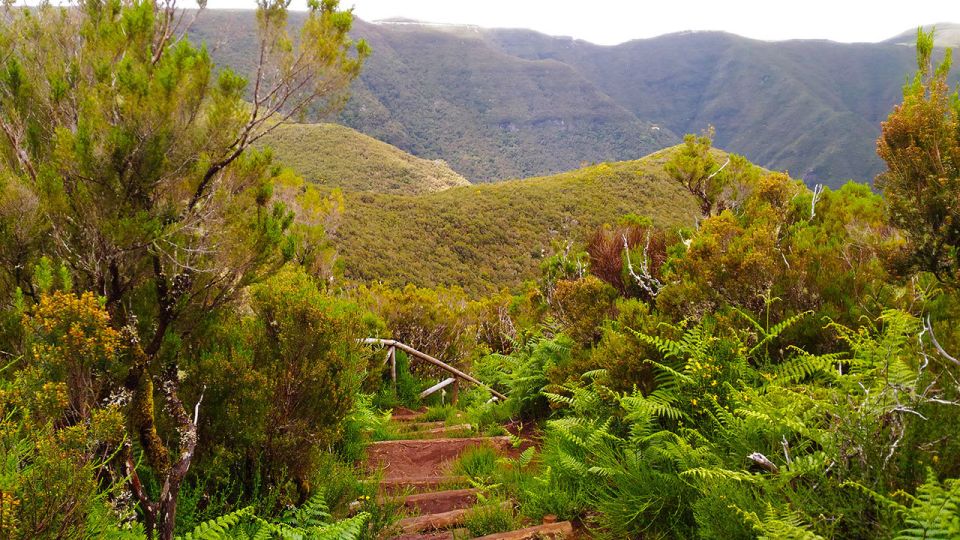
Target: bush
<point>581,307</point>
<point>56,438</point>
<point>281,382</point>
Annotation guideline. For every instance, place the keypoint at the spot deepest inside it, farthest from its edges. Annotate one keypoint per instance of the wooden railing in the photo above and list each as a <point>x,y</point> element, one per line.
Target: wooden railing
<point>392,346</point>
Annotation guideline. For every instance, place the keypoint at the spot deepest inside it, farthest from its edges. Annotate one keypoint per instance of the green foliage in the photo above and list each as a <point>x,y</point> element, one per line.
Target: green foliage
<point>714,186</point>
<point>490,516</point>
<point>280,383</point>
<point>783,252</point>
<point>362,425</point>
<point>547,493</point>
<point>56,436</point>
<point>310,521</point>
<point>483,238</point>
<point>921,147</point>
<point>133,153</point>
<point>582,306</point>
<point>524,374</point>
<point>478,464</point>
<point>435,322</point>
<point>934,512</point>
<point>687,458</point>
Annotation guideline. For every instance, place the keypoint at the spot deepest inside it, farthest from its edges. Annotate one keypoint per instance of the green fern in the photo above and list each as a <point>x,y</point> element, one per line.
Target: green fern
<point>219,527</point>
<point>311,521</point>
<point>779,524</point>
<point>935,513</point>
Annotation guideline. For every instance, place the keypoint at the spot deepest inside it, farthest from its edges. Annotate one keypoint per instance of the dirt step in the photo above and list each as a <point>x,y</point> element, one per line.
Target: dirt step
<point>435,502</point>
<point>435,535</point>
<point>419,426</point>
<point>419,484</point>
<point>563,529</point>
<point>403,414</point>
<point>423,458</point>
<point>442,520</point>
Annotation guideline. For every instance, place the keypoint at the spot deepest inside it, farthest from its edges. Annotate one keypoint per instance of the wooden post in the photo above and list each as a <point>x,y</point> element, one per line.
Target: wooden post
<point>454,392</point>
<point>392,355</point>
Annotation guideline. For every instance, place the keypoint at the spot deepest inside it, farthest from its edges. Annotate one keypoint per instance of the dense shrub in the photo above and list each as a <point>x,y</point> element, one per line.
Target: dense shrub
<point>56,435</point>
<point>581,307</point>
<point>280,381</point>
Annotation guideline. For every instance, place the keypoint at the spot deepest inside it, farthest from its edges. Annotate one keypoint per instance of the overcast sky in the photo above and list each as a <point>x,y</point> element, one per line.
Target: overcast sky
<point>610,21</point>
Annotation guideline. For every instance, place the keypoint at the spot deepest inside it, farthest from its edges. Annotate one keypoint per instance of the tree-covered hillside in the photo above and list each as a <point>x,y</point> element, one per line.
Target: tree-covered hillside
<point>501,104</point>
<point>337,156</point>
<point>486,237</point>
<point>456,97</point>
<point>821,102</point>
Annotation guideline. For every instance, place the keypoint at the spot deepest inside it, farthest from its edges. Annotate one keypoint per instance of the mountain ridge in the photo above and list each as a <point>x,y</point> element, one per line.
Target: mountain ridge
<point>498,104</point>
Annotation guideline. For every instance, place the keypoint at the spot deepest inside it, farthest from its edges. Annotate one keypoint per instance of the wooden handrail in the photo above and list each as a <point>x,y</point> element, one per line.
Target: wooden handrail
<point>427,358</point>
<point>439,386</point>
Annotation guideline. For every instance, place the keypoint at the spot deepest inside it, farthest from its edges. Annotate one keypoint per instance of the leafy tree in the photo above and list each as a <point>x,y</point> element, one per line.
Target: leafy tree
<point>715,186</point>
<point>920,142</point>
<point>132,159</point>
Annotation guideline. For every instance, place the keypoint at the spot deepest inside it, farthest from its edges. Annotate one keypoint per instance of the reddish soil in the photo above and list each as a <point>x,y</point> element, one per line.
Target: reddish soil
<point>423,458</point>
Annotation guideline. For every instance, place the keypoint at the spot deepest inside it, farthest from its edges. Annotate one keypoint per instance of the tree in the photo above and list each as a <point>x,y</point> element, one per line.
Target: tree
<point>920,142</point>
<point>133,157</point>
<point>716,187</point>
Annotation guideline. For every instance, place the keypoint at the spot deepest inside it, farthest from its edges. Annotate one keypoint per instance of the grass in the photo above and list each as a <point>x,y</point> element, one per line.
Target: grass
<point>337,156</point>
<point>489,517</point>
<point>439,413</point>
<point>479,464</point>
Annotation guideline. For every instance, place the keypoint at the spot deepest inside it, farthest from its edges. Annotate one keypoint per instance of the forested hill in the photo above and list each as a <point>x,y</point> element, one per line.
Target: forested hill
<point>513,103</point>
<point>487,237</point>
<point>458,97</point>
<point>811,107</point>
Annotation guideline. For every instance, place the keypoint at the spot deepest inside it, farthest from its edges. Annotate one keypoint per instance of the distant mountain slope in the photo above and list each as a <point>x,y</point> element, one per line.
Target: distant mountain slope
<point>513,103</point>
<point>337,156</point>
<point>489,236</point>
<point>454,96</point>
<point>811,107</point>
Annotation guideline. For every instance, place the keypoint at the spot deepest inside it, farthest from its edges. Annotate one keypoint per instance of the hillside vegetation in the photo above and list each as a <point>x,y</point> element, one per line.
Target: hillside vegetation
<point>501,104</point>
<point>485,237</point>
<point>337,156</point>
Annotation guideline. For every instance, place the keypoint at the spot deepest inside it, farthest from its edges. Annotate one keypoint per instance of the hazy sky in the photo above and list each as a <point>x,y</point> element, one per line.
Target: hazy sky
<point>611,21</point>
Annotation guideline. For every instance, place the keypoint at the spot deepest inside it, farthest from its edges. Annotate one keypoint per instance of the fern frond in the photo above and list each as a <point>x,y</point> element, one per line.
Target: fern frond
<point>219,527</point>
<point>775,331</point>
<point>705,474</point>
<point>345,529</point>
